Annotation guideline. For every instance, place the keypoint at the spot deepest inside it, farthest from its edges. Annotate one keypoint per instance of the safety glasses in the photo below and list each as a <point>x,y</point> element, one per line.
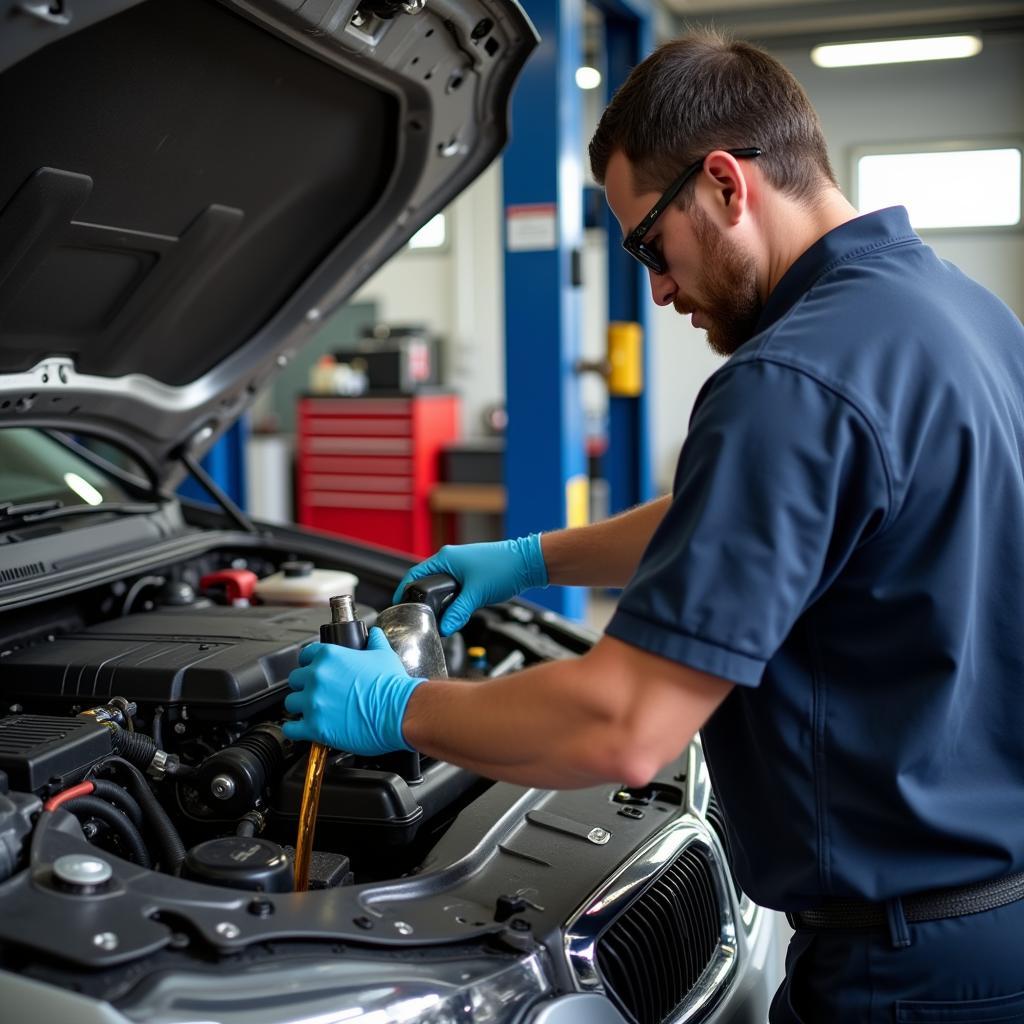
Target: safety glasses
<point>649,254</point>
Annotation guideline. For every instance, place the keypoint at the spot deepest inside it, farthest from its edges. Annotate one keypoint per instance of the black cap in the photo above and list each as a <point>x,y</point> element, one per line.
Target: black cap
<point>176,594</point>
<point>240,862</point>
<point>296,569</point>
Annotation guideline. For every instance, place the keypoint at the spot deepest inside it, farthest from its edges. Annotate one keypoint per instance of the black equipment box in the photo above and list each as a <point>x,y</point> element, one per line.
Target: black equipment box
<point>477,461</point>
<point>403,359</point>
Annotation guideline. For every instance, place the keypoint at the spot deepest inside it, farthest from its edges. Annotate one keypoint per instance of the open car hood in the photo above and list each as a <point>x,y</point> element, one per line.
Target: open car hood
<point>189,187</point>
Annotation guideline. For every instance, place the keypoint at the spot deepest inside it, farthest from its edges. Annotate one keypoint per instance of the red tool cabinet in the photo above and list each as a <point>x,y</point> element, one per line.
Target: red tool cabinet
<point>366,466</point>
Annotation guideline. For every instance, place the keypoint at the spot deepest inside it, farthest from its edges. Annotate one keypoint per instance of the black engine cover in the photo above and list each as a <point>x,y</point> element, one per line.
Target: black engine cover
<point>224,663</point>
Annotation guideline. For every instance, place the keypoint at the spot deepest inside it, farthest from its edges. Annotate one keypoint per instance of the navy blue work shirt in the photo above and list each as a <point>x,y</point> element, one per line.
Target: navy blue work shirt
<point>846,542</point>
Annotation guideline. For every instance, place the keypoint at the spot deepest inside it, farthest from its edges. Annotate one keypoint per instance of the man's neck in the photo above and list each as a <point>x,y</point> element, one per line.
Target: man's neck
<point>794,226</point>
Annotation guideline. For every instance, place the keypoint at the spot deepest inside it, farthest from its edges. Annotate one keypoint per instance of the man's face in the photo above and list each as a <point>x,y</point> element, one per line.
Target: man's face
<point>706,273</point>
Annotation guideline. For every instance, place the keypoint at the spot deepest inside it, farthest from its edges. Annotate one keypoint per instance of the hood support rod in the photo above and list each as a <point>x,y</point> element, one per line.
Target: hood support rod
<point>234,512</point>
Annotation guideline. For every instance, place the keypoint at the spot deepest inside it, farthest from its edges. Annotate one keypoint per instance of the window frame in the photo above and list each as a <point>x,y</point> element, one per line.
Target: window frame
<point>858,152</point>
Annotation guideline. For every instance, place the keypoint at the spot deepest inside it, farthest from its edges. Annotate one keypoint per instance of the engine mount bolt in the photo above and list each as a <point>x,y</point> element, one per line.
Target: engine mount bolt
<point>81,873</point>
<point>227,930</point>
<point>106,941</point>
<point>223,787</point>
<point>179,728</point>
<point>403,928</point>
<point>260,907</point>
<point>364,922</point>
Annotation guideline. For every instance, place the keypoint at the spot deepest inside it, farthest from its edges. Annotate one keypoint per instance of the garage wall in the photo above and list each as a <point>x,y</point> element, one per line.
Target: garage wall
<point>459,292</point>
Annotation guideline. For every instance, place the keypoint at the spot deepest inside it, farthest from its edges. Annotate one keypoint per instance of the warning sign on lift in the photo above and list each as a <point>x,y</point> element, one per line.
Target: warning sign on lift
<point>531,227</point>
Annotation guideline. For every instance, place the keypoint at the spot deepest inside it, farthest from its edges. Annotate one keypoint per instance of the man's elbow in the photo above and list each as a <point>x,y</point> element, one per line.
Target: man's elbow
<point>629,759</point>
<point>638,771</point>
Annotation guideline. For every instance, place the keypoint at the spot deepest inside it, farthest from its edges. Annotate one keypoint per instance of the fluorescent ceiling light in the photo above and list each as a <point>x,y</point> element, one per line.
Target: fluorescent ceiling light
<point>895,51</point>
<point>588,78</point>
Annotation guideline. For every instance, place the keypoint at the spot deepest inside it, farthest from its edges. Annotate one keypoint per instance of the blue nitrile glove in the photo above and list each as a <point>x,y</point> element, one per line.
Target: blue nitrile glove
<point>351,700</point>
<point>486,573</point>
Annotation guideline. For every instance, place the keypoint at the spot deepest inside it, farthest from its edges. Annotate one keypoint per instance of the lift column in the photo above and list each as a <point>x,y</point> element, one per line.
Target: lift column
<point>629,37</point>
<point>545,463</point>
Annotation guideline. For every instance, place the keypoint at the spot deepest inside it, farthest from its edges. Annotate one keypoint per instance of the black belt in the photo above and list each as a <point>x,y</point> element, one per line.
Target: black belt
<point>924,906</point>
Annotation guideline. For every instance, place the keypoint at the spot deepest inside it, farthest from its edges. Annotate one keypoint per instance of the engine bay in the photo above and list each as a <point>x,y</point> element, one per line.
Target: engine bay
<point>151,711</point>
<point>153,815</point>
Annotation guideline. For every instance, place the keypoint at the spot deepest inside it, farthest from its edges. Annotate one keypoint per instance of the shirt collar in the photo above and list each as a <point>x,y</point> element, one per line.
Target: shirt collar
<point>855,238</point>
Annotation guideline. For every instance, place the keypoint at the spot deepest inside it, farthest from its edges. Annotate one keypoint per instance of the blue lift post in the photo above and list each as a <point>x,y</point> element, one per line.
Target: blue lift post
<point>545,461</point>
<point>629,37</point>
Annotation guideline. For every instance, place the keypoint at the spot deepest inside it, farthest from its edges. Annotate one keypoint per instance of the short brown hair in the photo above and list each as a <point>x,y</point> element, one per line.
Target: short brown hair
<point>704,92</point>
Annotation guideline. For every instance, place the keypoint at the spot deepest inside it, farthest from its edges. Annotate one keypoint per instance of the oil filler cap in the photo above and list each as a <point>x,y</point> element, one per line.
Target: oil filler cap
<point>81,873</point>
<point>240,862</point>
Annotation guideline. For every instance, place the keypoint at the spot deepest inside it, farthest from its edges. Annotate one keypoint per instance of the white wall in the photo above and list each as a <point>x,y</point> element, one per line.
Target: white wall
<point>413,287</point>
<point>458,293</point>
<point>680,363</point>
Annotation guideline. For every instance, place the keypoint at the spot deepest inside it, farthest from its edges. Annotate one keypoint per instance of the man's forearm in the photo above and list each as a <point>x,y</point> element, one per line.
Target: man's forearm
<point>603,554</point>
<point>617,713</point>
<point>525,728</point>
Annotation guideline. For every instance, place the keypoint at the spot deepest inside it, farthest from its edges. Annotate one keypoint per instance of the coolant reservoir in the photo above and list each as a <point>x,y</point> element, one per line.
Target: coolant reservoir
<point>303,584</point>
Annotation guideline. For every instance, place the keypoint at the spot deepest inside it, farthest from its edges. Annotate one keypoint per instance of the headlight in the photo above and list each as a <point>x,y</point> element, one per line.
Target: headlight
<point>433,989</point>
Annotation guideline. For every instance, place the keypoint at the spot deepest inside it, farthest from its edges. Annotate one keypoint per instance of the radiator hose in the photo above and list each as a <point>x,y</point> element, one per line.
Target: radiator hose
<point>120,798</point>
<point>117,820</point>
<point>172,850</point>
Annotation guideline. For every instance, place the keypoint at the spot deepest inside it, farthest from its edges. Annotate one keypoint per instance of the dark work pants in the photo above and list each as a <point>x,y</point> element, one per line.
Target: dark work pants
<point>963,969</point>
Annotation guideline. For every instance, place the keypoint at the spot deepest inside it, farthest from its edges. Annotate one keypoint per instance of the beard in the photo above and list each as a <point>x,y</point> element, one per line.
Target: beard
<point>727,286</point>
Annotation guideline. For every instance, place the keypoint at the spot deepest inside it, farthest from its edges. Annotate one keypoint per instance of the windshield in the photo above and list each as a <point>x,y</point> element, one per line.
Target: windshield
<point>35,467</point>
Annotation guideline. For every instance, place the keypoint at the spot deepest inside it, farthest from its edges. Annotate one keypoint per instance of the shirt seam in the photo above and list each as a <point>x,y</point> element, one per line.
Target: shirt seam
<point>819,757</point>
<point>888,243</point>
<point>835,389</point>
<point>895,242</point>
<point>686,634</point>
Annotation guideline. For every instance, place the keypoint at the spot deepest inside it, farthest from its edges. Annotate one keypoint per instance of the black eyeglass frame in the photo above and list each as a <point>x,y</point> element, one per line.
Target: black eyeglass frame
<point>634,243</point>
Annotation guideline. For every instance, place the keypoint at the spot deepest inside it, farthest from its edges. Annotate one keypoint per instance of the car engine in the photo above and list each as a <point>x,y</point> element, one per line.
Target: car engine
<point>150,808</point>
<point>159,729</point>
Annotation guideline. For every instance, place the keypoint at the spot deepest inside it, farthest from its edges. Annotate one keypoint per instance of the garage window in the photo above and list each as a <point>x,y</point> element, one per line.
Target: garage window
<point>433,234</point>
<point>942,185</point>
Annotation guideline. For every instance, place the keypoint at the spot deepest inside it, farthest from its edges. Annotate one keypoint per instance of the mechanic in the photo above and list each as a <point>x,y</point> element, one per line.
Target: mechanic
<point>834,590</point>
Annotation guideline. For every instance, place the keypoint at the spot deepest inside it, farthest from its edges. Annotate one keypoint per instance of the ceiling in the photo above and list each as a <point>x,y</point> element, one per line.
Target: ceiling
<point>703,6</point>
<point>808,20</point>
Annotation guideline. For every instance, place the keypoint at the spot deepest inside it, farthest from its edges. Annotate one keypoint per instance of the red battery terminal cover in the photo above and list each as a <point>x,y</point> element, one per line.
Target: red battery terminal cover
<point>237,584</point>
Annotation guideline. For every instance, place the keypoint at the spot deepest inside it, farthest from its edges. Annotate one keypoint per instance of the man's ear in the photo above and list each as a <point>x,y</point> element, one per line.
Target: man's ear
<point>729,189</point>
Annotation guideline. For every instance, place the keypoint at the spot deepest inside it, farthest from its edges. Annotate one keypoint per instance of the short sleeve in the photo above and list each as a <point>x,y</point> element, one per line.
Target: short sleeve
<point>778,482</point>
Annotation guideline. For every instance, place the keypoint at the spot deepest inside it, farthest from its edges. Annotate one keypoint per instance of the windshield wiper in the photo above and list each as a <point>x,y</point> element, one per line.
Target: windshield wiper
<point>10,509</point>
<point>12,515</point>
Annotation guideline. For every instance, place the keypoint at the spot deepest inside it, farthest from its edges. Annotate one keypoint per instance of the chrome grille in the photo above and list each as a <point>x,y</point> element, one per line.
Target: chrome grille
<point>716,819</point>
<point>654,954</point>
